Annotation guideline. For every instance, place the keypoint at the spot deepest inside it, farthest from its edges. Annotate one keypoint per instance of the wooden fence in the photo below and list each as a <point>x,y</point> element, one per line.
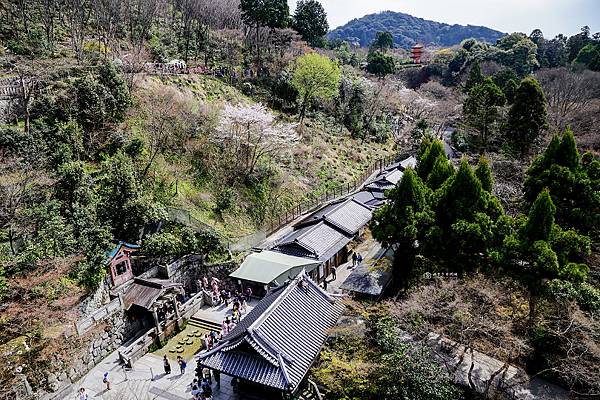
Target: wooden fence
<point>275,223</point>
<point>315,202</point>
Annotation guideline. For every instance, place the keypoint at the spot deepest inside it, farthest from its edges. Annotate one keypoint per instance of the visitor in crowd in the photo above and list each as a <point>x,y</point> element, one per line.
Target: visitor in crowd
<point>182,364</point>
<point>106,381</point>
<point>204,282</point>
<point>206,375</point>
<point>248,292</point>
<point>225,325</point>
<point>230,326</point>
<point>82,395</point>
<point>167,365</point>
<point>210,342</point>
<point>334,273</point>
<point>224,297</point>
<point>196,392</point>
<point>244,305</point>
<point>217,375</point>
<point>354,258</point>
<point>194,382</point>
<point>359,258</point>
<point>206,390</point>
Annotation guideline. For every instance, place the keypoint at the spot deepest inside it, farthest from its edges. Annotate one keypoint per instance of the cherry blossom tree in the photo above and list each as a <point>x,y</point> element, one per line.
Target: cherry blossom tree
<point>249,133</point>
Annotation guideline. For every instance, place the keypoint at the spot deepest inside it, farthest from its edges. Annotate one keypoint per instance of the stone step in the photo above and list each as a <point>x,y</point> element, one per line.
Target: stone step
<point>204,324</point>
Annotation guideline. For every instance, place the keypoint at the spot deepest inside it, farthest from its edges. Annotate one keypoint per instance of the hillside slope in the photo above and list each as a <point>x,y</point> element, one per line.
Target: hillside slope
<point>407,30</point>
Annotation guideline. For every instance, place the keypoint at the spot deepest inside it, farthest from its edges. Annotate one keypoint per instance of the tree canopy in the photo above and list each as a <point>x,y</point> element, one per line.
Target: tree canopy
<point>314,76</point>
<point>481,109</point>
<point>573,182</point>
<point>310,20</point>
<point>528,115</point>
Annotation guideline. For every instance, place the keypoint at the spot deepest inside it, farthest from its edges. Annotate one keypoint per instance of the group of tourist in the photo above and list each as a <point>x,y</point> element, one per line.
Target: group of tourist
<point>357,259</point>
<point>180,361</point>
<point>211,339</point>
<point>202,389</point>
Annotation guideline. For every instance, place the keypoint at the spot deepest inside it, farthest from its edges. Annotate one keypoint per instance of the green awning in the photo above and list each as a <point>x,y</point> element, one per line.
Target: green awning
<point>272,267</point>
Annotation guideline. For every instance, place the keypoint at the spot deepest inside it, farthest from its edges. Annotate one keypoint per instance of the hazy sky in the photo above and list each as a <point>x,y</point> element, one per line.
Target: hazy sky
<point>551,16</point>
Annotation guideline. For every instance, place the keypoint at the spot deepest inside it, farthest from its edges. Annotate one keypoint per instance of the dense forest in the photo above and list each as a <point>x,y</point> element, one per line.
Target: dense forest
<point>117,117</point>
<point>408,30</point>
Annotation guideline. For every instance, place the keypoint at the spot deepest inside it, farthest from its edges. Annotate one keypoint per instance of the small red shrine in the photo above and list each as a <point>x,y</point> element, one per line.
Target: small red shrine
<point>416,52</point>
<point>119,260</point>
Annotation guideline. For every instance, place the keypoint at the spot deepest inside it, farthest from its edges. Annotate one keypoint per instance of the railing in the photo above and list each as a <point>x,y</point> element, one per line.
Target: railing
<point>314,389</point>
<point>138,348</point>
<point>275,223</point>
<point>330,194</point>
<point>84,325</point>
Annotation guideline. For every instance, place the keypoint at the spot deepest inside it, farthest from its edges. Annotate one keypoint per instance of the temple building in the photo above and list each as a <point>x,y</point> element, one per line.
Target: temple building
<point>271,350</point>
<point>119,261</point>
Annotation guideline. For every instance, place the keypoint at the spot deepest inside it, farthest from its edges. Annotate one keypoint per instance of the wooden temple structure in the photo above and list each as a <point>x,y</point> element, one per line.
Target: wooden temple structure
<point>271,350</point>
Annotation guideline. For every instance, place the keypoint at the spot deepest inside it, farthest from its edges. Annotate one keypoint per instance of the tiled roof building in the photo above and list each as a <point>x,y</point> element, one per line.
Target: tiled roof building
<point>277,342</point>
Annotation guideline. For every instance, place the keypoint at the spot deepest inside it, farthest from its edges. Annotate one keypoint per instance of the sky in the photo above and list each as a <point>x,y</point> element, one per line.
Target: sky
<point>551,16</point>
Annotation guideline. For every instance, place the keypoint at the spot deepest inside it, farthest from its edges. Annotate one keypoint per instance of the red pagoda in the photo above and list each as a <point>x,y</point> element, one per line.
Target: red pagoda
<point>416,53</point>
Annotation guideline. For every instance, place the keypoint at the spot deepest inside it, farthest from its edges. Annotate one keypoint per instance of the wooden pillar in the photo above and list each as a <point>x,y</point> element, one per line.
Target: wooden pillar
<point>156,322</point>
<point>174,301</point>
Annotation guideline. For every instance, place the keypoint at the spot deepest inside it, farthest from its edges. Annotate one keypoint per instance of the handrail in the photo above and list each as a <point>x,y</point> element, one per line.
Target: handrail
<point>282,219</point>
<point>314,389</point>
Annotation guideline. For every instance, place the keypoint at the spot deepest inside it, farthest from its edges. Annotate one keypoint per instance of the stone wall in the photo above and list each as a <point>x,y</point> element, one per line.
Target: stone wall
<point>98,344</point>
<point>189,269</point>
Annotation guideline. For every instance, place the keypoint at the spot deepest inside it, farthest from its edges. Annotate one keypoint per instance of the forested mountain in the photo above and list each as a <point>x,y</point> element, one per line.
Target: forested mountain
<point>191,130</point>
<point>407,30</point>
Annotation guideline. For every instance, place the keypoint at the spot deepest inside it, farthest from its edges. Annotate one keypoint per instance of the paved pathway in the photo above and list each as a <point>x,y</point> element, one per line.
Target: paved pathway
<point>146,381</point>
<point>370,250</point>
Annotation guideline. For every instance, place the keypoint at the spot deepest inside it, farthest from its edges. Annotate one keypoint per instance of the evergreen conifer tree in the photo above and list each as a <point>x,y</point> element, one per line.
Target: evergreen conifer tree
<point>441,171</point>
<point>527,116</point>
<point>475,77</point>
<point>484,174</point>
<point>431,151</point>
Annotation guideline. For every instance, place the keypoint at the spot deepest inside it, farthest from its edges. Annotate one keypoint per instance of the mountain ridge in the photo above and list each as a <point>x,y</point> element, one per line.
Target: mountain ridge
<point>407,30</point>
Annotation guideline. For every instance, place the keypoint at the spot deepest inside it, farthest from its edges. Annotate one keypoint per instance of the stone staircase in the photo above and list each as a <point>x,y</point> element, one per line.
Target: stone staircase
<point>204,324</point>
<point>310,391</point>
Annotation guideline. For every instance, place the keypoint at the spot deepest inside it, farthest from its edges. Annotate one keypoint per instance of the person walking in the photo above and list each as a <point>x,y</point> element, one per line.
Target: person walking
<point>82,395</point>
<point>334,272</point>
<point>182,364</point>
<point>354,258</point>
<point>167,365</point>
<point>359,258</point>
<point>106,381</point>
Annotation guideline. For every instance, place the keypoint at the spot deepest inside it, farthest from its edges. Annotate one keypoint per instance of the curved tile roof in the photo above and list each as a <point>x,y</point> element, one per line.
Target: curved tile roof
<point>280,338</point>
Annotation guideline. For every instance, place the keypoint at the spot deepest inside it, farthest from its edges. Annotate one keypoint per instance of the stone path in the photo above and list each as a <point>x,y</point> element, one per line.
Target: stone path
<point>370,249</point>
<point>146,381</point>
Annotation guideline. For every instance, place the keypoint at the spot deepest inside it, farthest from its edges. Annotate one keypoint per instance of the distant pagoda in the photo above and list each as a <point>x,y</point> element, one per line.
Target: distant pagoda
<point>416,52</point>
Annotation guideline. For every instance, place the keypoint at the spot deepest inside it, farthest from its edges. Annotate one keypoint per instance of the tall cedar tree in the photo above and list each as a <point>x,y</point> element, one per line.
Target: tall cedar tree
<point>402,222</point>
<point>310,21</point>
<point>264,13</point>
<point>574,184</point>
<point>528,115</point>
<point>380,64</point>
<point>481,109</point>
<point>467,217</point>
<point>475,77</point>
<point>540,251</point>
<point>430,151</point>
<point>484,174</point>
<point>383,41</point>
<point>442,170</point>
